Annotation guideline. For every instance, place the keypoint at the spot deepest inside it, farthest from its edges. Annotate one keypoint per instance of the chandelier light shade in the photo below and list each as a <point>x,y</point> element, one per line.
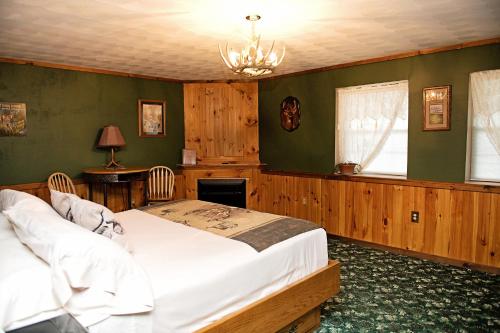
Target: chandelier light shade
<point>252,61</point>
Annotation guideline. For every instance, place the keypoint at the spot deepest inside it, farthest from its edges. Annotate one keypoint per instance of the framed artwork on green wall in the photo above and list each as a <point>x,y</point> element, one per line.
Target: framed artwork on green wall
<point>151,118</point>
<point>437,108</point>
<point>12,119</point>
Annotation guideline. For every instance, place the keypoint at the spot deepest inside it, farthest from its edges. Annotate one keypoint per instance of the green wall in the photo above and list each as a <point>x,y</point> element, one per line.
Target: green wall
<point>65,112</point>
<point>438,155</point>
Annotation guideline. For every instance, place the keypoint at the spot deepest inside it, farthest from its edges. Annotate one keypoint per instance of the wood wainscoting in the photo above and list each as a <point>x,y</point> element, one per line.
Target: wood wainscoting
<point>460,222</point>
<point>117,193</point>
<point>456,221</point>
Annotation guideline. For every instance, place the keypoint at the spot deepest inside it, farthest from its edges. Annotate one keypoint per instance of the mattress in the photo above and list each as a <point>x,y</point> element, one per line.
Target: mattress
<point>199,277</point>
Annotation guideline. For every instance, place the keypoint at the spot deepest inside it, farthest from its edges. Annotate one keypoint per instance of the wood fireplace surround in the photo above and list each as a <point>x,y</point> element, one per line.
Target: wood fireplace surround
<point>221,125</point>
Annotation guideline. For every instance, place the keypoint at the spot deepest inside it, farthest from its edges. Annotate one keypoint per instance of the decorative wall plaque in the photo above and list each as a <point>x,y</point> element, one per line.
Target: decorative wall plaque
<point>290,113</point>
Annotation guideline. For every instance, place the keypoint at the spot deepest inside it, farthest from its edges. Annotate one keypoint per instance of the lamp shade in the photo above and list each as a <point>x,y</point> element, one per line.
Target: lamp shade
<point>111,137</point>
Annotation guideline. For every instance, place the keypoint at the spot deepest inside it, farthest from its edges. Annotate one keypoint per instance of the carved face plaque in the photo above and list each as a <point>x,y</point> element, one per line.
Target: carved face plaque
<point>290,113</point>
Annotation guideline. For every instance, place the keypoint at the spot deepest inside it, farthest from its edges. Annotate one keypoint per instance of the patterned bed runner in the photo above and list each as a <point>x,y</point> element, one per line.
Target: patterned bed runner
<point>259,230</point>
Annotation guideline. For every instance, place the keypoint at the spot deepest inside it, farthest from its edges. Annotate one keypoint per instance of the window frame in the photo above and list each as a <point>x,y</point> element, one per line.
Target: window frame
<point>469,138</point>
<point>336,146</point>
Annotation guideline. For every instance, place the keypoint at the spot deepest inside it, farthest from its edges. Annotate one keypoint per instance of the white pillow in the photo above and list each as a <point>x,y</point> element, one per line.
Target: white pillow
<point>61,202</point>
<point>9,198</point>
<point>90,215</point>
<point>25,282</point>
<point>90,274</point>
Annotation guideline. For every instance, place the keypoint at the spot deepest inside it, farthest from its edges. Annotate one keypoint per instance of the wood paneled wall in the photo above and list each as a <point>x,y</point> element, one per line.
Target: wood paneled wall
<point>456,222</point>
<point>287,195</point>
<point>117,193</point>
<point>42,191</point>
<point>461,224</point>
<point>221,122</point>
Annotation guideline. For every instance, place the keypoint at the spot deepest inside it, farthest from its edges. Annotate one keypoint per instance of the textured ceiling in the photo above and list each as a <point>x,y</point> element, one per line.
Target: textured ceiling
<point>178,39</point>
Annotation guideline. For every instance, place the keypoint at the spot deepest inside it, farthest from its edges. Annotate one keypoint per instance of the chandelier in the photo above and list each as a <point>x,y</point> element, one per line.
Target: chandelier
<point>252,61</point>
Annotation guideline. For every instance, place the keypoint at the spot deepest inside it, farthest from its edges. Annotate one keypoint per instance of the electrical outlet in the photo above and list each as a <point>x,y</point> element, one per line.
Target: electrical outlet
<point>304,201</point>
<point>414,216</point>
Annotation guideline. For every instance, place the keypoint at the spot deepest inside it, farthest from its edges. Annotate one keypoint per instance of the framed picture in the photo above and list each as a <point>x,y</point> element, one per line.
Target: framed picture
<point>12,119</point>
<point>188,157</point>
<point>151,118</point>
<point>437,108</point>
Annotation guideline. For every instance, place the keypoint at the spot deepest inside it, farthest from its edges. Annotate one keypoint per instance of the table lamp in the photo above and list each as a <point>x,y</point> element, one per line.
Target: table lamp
<point>111,137</point>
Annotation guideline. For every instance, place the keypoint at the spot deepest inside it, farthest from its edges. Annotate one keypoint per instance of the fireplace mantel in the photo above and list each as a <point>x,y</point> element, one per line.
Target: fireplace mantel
<point>221,166</point>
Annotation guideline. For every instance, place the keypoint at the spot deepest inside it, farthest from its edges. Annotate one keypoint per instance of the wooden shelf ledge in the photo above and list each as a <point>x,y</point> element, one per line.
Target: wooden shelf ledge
<point>221,166</point>
<point>391,181</point>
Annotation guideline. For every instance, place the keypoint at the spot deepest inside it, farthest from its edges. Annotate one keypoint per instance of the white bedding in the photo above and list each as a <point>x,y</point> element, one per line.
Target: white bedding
<point>25,280</point>
<point>199,277</point>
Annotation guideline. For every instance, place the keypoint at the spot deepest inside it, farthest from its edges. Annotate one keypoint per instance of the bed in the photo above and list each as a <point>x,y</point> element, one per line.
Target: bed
<point>203,282</point>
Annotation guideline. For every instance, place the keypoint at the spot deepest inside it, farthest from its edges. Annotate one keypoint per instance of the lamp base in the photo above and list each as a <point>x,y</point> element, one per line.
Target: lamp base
<point>113,164</point>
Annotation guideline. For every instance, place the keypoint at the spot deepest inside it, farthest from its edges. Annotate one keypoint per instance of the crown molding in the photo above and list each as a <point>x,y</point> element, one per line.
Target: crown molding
<point>85,69</point>
<point>402,55</point>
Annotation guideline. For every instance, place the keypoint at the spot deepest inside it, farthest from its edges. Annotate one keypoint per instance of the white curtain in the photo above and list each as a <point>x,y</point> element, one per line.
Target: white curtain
<point>485,113</point>
<point>485,90</point>
<point>366,115</point>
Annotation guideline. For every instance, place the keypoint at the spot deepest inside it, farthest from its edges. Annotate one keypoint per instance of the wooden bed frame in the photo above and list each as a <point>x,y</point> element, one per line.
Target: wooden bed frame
<point>294,308</point>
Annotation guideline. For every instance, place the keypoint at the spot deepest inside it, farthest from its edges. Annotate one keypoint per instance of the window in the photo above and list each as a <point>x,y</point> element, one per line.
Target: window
<point>484,128</point>
<point>372,127</point>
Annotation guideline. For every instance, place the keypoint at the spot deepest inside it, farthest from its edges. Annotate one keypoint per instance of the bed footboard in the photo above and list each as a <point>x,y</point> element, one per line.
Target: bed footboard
<point>295,307</point>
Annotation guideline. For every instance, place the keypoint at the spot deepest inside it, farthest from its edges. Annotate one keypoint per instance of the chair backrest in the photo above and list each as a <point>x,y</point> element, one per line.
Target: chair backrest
<point>61,182</point>
<point>160,184</point>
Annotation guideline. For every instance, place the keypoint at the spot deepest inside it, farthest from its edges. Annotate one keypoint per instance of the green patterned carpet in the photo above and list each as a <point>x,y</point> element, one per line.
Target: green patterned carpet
<point>386,292</point>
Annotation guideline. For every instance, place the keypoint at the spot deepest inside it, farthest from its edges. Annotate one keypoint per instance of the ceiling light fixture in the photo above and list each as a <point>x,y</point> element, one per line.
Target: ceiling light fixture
<point>252,61</point>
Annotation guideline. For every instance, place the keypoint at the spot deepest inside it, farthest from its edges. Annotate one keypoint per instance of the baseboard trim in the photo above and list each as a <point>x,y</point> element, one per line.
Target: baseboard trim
<point>420,255</point>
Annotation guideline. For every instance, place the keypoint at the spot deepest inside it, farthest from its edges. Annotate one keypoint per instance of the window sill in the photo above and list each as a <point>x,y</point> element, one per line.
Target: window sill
<point>482,182</point>
<point>375,175</point>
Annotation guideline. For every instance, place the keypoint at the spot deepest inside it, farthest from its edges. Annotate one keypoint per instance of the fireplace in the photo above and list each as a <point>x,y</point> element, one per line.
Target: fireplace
<point>231,192</point>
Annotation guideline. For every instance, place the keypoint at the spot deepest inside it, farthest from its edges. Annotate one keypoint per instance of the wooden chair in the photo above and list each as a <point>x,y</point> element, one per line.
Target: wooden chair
<point>160,184</point>
<point>61,182</point>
